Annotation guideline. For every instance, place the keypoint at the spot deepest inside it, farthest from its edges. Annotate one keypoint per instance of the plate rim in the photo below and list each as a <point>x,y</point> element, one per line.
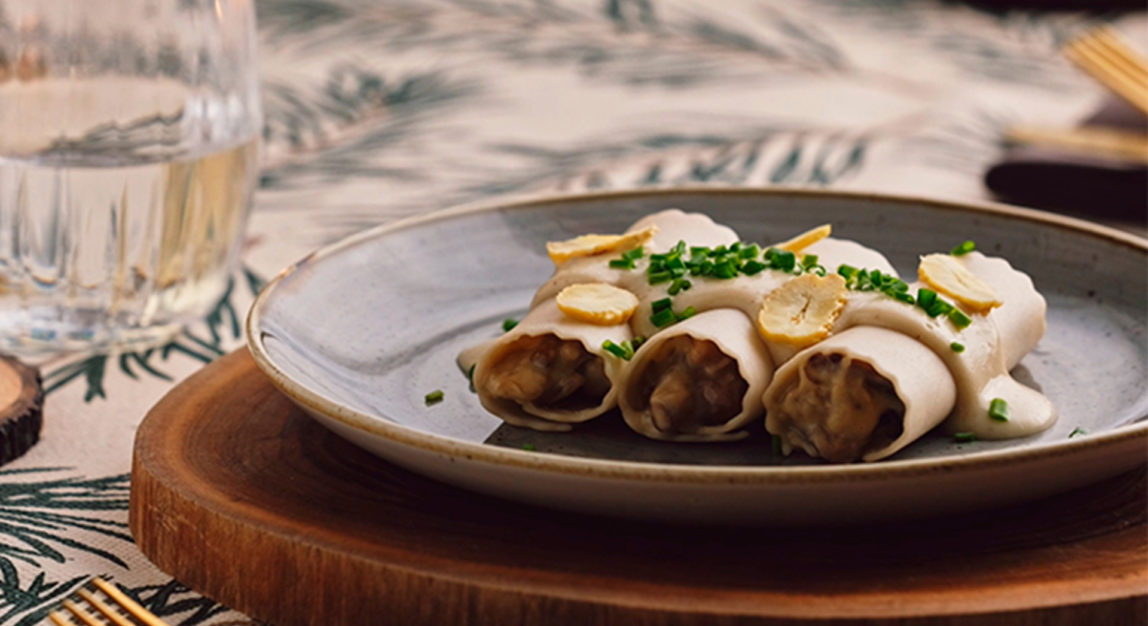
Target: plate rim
<point>426,442</point>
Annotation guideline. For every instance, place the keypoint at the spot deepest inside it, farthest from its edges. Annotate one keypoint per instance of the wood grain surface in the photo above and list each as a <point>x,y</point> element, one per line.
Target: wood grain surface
<point>236,493</point>
<point>21,408</point>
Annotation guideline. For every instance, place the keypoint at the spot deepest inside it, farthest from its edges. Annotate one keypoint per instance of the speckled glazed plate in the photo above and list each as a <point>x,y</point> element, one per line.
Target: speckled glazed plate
<point>358,333</point>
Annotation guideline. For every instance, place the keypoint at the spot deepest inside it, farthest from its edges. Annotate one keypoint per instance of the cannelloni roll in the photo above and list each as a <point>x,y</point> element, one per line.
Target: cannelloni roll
<point>670,226</point>
<point>698,380</point>
<point>550,371</point>
<point>863,393</point>
<point>891,372</point>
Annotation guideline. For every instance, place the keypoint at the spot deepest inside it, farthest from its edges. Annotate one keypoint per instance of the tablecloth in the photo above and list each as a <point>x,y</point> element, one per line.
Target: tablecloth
<point>378,110</point>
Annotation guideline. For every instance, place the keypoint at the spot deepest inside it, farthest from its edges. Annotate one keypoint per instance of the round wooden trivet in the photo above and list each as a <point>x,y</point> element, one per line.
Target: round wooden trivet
<point>239,495</point>
<point>21,408</point>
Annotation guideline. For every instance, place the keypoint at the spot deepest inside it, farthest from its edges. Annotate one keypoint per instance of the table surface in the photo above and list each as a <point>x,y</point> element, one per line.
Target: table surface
<point>379,110</point>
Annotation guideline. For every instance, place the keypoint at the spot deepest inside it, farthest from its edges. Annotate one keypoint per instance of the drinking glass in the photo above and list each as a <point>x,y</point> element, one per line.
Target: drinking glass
<point>128,155</point>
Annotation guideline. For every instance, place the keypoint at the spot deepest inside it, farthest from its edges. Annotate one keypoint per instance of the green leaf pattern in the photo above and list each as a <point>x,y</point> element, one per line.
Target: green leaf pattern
<point>381,109</point>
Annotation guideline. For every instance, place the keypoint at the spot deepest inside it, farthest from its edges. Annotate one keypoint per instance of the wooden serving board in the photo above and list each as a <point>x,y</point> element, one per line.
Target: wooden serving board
<point>238,494</point>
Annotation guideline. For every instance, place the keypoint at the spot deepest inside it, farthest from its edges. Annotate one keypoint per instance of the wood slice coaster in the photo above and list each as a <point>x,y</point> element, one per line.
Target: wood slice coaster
<point>21,408</point>
<point>238,494</point>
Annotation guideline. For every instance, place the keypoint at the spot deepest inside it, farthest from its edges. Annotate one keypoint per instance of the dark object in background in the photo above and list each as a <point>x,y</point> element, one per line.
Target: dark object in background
<point>1087,185</point>
<point>1056,5</point>
<point>21,408</point>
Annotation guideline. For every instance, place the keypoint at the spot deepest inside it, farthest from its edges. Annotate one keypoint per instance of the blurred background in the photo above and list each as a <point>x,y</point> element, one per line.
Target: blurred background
<point>382,109</point>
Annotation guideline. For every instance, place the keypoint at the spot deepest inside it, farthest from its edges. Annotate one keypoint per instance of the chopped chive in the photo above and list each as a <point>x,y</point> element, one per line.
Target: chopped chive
<point>775,445</point>
<point>725,270</point>
<point>959,319</point>
<point>433,397</point>
<point>998,410</point>
<point>508,324</point>
<point>939,307</point>
<point>637,342</point>
<point>957,347</point>
<point>926,298</point>
<point>964,248</point>
<point>679,284</point>
<point>749,252</point>
<point>634,255</point>
<point>752,267</point>
<point>660,277</point>
<point>965,437</point>
<point>903,297</point>
<point>808,261</point>
<point>783,260</point>
<point>718,251</point>
<point>698,250</point>
<point>614,349</point>
<point>1077,431</point>
<point>529,447</point>
<point>679,249</point>
<point>846,271</point>
<point>658,305</point>
<point>687,313</point>
<point>621,264</point>
<point>663,318</point>
<point>470,377</point>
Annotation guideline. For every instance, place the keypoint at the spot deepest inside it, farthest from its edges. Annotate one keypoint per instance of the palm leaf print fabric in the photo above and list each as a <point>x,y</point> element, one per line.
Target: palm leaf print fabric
<point>380,109</point>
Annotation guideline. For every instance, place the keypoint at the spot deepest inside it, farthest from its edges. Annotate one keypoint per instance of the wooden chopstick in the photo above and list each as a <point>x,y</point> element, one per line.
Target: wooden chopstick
<point>1106,142</point>
<point>1114,64</point>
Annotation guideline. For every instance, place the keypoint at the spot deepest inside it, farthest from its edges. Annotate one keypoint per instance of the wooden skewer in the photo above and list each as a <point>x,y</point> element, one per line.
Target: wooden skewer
<point>1133,61</point>
<point>85,617</point>
<point>115,618</point>
<point>127,603</point>
<point>1097,141</point>
<point>1107,59</point>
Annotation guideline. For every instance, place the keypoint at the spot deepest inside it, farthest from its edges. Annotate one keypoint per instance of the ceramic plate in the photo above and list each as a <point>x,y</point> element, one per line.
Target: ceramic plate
<point>358,333</point>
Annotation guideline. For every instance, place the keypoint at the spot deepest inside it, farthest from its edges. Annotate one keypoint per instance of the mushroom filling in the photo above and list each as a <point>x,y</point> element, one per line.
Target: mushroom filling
<point>689,384</point>
<point>840,408</point>
<point>549,373</point>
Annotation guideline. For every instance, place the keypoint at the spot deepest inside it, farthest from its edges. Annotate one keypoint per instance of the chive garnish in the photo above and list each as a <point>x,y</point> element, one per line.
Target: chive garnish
<point>846,271</point>
<point>783,260</point>
<point>726,269</point>
<point>470,377</point>
<point>998,410</point>
<point>621,264</point>
<point>634,254</point>
<point>687,313</point>
<point>658,305</point>
<point>663,318</point>
<point>508,324</point>
<point>752,267</point>
<point>614,349</point>
<point>959,319</point>
<point>624,350</point>
<point>529,447</point>
<point>433,397</point>
<point>1077,431</point>
<point>964,248</point>
<point>957,347</point>
<point>679,284</point>
<point>925,299</point>
<point>660,277</point>
<point>965,437</point>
